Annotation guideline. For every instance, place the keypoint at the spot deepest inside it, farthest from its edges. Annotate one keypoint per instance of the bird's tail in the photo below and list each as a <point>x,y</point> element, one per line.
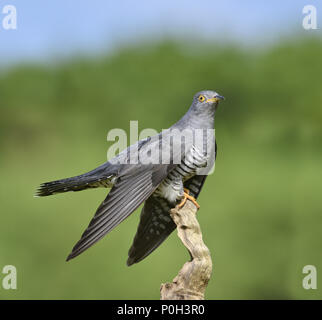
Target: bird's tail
<point>99,177</point>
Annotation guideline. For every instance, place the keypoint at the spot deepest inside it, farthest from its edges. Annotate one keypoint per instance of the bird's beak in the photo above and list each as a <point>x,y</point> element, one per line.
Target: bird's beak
<point>216,98</point>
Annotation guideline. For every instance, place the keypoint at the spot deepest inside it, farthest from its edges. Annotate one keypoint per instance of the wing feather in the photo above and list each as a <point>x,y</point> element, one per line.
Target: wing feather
<point>156,224</point>
<point>132,188</point>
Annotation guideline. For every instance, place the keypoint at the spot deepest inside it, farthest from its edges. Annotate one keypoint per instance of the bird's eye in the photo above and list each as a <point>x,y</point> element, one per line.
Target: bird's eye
<point>201,98</point>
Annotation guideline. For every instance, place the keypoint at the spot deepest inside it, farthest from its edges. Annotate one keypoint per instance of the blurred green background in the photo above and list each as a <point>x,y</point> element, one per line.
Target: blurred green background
<point>261,211</point>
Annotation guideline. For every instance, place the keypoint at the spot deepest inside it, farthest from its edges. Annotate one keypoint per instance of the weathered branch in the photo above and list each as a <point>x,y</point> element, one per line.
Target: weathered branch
<point>193,278</point>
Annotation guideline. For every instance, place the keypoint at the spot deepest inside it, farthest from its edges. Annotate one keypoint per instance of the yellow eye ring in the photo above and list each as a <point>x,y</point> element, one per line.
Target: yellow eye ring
<point>201,98</point>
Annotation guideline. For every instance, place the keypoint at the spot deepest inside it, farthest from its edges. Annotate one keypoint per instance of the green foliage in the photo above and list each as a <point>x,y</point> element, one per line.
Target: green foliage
<point>260,211</point>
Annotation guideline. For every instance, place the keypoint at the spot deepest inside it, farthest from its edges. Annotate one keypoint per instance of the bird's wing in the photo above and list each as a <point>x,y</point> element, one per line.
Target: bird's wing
<point>154,227</point>
<point>195,184</point>
<point>156,224</point>
<point>135,183</point>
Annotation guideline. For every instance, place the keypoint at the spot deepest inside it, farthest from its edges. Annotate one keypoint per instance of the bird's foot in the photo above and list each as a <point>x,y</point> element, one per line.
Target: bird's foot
<point>186,196</point>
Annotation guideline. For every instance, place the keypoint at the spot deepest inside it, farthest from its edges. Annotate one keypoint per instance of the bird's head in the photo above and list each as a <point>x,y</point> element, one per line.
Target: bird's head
<point>206,100</point>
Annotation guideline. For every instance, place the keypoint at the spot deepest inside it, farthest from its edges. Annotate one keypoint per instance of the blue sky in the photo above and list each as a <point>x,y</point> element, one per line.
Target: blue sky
<point>57,28</point>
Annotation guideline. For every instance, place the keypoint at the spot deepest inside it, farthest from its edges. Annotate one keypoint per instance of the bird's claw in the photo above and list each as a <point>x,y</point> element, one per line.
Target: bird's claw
<point>186,196</point>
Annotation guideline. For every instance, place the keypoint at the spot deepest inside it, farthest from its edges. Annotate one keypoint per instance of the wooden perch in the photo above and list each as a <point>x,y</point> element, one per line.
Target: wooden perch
<point>193,278</point>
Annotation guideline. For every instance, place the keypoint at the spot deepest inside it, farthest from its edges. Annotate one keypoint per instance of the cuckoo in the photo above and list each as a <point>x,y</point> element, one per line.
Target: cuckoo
<point>160,172</point>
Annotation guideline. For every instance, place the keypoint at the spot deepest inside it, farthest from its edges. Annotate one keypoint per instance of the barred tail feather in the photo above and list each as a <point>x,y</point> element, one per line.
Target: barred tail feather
<point>70,184</point>
<point>103,176</point>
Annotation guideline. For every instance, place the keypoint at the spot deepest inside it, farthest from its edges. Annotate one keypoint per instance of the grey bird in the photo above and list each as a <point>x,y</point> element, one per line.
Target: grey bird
<point>160,171</point>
